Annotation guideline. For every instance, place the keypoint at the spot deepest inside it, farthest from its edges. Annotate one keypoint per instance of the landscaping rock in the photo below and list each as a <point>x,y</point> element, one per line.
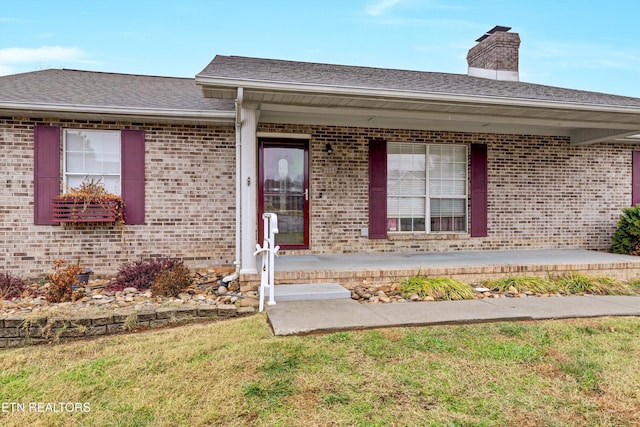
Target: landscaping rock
<point>109,309</point>
<point>391,294</point>
<point>249,302</point>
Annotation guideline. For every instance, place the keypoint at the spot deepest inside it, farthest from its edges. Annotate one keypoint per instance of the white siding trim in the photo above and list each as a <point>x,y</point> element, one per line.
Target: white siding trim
<point>283,135</point>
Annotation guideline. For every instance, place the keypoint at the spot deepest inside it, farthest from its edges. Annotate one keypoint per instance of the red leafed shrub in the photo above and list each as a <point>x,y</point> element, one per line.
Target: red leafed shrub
<point>11,286</point>
<point>142,273</point>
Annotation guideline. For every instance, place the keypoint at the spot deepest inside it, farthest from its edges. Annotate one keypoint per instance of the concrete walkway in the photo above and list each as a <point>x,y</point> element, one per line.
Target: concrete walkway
<point>307,317</point>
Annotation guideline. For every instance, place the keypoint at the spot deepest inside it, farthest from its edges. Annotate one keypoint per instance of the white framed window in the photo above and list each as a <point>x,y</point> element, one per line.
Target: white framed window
<point>92,155</point>
<point>427,187</point>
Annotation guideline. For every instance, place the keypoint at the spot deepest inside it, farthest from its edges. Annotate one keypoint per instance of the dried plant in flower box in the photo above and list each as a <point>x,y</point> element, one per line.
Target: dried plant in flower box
<point>89,203</point>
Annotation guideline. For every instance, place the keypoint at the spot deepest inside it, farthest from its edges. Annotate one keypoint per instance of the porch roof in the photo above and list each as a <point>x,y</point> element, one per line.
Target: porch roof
<point>300,92</point>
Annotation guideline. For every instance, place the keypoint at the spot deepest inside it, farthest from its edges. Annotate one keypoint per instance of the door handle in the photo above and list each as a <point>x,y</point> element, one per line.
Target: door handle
<point>306,194</point>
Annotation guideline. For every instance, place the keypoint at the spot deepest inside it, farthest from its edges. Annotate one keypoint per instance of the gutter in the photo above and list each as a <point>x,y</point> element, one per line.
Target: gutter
<point>238,117</point>
<point>201,115</point>
<point>408,95</point>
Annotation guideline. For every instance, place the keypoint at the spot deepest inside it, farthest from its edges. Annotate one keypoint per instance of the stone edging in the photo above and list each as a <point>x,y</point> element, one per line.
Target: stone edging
<point>18,330</point>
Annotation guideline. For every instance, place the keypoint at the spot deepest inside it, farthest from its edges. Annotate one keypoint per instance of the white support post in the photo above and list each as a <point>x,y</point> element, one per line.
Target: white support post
<point>269,251</point>
<point>249,187</point>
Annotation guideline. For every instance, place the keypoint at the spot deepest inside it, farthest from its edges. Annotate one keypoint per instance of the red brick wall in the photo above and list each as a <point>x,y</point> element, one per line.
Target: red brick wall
<point>499,51</point>
<point>543,192</point>
<point>190,207</point>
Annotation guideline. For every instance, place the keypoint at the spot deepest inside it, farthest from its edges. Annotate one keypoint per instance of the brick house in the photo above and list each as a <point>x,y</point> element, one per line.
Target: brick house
<point>353,159</point>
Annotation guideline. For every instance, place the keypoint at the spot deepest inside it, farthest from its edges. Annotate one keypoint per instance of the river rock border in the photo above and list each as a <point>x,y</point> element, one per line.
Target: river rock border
<point>19,330</point>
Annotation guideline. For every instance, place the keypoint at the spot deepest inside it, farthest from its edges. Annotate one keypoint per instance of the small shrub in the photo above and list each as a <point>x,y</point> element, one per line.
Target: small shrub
<point>142,273</point>
<point>170,283</point>
<point>131,322</point>
<point>436,287</point>
<point>574,283</point>
<point>522,284</point>
<point>635,285</point>
<point>626,239</point>
<point>11,286</point>
<point>62,280</point>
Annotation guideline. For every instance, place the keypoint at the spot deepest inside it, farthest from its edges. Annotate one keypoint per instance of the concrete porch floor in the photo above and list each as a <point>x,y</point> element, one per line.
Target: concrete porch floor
<point>350,270</point>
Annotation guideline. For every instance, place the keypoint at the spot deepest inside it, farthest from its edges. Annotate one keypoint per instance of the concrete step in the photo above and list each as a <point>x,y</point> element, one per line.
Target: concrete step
<point>309,292</point>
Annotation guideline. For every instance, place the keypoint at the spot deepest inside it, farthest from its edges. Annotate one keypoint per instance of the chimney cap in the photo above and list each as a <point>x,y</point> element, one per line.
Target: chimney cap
<point>496,29</point>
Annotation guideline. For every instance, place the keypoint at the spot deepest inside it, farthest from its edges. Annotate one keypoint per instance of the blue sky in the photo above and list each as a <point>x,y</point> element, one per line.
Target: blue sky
<point>582,44</point>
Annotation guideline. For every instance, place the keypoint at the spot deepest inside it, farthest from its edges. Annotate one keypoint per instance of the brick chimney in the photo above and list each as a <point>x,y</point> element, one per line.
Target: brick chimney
<point>496,55</point>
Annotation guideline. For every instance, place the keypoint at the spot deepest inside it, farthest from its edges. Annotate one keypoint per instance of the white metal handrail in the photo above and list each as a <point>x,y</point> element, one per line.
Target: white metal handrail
<point>269,251</point>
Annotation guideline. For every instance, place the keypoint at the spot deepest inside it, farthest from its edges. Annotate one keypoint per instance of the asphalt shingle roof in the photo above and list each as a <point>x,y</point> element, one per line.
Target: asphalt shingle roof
<point>86,88</point>
<point>270,70</point>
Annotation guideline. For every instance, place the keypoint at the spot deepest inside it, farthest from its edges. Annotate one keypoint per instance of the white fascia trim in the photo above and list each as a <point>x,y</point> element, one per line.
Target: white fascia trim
<point>204,115</point>
<point>406,94</point>
<point>283,135</point>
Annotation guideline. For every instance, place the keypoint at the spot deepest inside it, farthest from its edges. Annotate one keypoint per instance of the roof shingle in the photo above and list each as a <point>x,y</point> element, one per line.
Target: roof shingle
<point>96,89</point>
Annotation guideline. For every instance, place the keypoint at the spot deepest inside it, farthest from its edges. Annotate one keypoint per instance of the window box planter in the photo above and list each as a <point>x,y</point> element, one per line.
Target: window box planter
<point>77,210</point>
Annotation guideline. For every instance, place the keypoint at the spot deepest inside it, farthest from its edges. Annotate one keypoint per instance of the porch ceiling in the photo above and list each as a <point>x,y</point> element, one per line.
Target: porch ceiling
<point>583,123</point>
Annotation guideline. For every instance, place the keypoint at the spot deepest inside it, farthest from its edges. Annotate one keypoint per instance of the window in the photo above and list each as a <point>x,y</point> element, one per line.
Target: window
<point>92,155</point>
<point>89,159</point>
<point>426,188</point>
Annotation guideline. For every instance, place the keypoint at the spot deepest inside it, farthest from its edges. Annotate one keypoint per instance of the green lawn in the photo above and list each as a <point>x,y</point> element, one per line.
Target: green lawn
<point>234,373</point>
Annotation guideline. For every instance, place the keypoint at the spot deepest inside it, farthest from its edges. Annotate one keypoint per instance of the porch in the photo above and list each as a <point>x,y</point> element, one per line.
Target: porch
<point>379,269</point>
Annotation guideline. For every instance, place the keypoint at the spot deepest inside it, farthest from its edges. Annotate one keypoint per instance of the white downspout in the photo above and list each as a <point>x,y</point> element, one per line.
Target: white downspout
<point>238,262</point>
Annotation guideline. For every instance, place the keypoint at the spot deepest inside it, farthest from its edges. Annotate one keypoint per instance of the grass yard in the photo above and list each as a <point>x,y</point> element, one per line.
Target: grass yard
<point>234,373</point>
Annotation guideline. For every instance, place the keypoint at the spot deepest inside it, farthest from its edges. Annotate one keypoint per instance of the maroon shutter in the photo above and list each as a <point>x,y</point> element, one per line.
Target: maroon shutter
<point>479,178</point>
<point>46,172</point>
<point>635,179</point>
<point>377,189</point>
<point>133,176</point>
